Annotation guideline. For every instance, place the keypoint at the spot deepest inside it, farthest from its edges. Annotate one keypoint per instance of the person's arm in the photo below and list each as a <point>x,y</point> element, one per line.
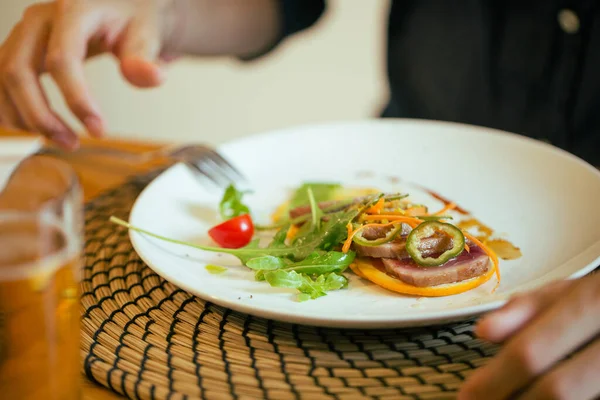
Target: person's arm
<point>243,28</point>
<point>57,38</point>
<point>226,27</point>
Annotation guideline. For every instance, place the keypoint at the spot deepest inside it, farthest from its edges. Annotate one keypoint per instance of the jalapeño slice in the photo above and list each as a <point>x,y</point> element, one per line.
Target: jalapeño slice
<point>389,236</point>
<point>427,229</point>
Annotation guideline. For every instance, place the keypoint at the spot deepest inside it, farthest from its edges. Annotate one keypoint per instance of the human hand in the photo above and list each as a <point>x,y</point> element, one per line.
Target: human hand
<point>57,37</point>
<point>551,345</point>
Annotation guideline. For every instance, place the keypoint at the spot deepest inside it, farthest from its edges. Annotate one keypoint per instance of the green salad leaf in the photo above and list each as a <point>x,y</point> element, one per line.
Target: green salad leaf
<point>315,263</point>
<point>321,192</point>
<point>231,203</point>
<point>331,233</point>
<point>266,263</point>
<point>308,288</point>
<point>309,263</point>
<point>313,241</point>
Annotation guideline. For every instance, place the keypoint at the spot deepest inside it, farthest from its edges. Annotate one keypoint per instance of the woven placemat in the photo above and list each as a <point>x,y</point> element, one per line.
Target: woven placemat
<point>145,338</point>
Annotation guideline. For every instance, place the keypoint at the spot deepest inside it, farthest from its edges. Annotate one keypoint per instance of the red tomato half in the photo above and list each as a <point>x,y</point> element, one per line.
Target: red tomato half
<point>233,233</point>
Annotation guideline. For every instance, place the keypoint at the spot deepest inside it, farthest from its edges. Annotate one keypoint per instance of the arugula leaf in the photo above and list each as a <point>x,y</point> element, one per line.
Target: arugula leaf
<point>244,254</point>
<point>284,279</point>
<point>322,263</point>
<point>279,238</point>
<point>231,204</point>
<point>311,288</point>
<point>293,280</point>
<point>313,223</point>
<point>321,191</point>
<point>315,211</point>
<point>315,263</point>
<point>303,297</point>
<point>275,265</point>
<point>265,263</point>
<point>331,233</point>
<point>259,275</point>
<point>333,281</point>
<point>308,288</point>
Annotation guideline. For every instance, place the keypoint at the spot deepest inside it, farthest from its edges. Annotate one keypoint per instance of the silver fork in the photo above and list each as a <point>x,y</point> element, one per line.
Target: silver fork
<point>200,159</point>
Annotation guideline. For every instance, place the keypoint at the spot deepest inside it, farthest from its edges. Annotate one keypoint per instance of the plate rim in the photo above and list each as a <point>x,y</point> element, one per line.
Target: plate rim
<point>425,319</point>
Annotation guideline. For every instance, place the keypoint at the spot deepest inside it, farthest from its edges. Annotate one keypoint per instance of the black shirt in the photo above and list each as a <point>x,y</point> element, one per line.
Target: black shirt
<point>530,67</point>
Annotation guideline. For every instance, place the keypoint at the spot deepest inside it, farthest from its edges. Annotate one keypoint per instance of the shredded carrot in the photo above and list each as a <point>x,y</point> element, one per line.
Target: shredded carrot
<point>467,248</point>
<point>292,231</point>
<point>447,207</point>
<point>397,218</point>
<point>349,228</point>
<point>417,210</point>
<point>352,233</point>
<point>377,207</point>
<point>489,252</point>
<point>399,212</point>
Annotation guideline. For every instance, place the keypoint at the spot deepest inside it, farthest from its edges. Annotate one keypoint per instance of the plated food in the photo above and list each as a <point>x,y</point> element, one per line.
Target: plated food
<point>326,231</point>
<point>522,201</point>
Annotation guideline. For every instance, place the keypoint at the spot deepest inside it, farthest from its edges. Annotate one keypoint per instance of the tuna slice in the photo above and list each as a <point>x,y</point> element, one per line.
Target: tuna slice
<point>465,266</point>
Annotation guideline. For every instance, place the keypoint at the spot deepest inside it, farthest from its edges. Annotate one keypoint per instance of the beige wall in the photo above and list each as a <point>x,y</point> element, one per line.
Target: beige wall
<point>335,71</point>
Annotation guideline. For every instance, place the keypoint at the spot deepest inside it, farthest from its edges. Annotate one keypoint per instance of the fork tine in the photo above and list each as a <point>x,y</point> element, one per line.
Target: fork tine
<point>219,160</point>
<point>208,163</point>
<point>202,173</point>
<point>212,171</point>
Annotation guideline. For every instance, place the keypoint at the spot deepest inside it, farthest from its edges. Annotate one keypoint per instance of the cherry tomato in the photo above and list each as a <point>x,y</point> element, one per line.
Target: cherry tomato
<point>233,233</point>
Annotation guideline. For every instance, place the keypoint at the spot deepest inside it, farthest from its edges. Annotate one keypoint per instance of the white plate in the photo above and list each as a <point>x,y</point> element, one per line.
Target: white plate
<point>540,198</point>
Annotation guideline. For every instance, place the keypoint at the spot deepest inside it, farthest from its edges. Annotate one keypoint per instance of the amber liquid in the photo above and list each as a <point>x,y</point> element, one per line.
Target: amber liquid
<point>39,313</point>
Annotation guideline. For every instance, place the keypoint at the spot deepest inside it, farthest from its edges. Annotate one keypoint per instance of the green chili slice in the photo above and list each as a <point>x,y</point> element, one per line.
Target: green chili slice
<point>427,229</point>
<point>389,236</point>
<point>433,217</point>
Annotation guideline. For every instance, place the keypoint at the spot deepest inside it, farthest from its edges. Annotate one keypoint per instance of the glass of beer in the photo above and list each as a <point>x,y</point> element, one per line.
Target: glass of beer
<point>41,234</point>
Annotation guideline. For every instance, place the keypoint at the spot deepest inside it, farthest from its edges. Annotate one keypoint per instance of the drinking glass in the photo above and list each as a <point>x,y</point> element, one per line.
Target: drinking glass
<point>41,234</point>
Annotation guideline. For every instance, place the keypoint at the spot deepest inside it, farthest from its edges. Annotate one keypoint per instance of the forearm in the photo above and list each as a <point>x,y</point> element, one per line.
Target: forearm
<point>225,27</point>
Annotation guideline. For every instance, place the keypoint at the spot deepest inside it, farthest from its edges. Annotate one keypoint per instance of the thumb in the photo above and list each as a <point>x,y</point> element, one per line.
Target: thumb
<point>139,54</point>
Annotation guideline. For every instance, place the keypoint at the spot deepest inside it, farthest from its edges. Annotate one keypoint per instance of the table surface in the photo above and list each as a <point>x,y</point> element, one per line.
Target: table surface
<point>97,174</point>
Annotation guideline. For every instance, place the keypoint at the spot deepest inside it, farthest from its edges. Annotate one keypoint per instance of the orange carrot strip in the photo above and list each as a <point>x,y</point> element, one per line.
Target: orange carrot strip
<point>292,231</point>
<point>417,210</point>
<point>409,220</point>
<point>447,207</point>
<point>488,251</point>
<point>399,212</point>
<point>377,207</point>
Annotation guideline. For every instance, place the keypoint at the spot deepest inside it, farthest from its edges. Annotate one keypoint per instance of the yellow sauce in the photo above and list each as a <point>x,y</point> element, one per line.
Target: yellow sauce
<point>504,249</point>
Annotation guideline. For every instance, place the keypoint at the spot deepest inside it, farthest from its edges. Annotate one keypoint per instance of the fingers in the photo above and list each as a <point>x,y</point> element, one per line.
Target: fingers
<point>503,323</point>
<point>67,48</point>
<point>561,328</point>
<point>140,48</point>
<point>23,90</point>
<point>576,378</point>
<point>57,37</point>
<point>9,117</point>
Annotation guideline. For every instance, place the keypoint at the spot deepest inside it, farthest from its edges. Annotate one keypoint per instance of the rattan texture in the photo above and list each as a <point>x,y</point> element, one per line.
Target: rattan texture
<point>145,338</point>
